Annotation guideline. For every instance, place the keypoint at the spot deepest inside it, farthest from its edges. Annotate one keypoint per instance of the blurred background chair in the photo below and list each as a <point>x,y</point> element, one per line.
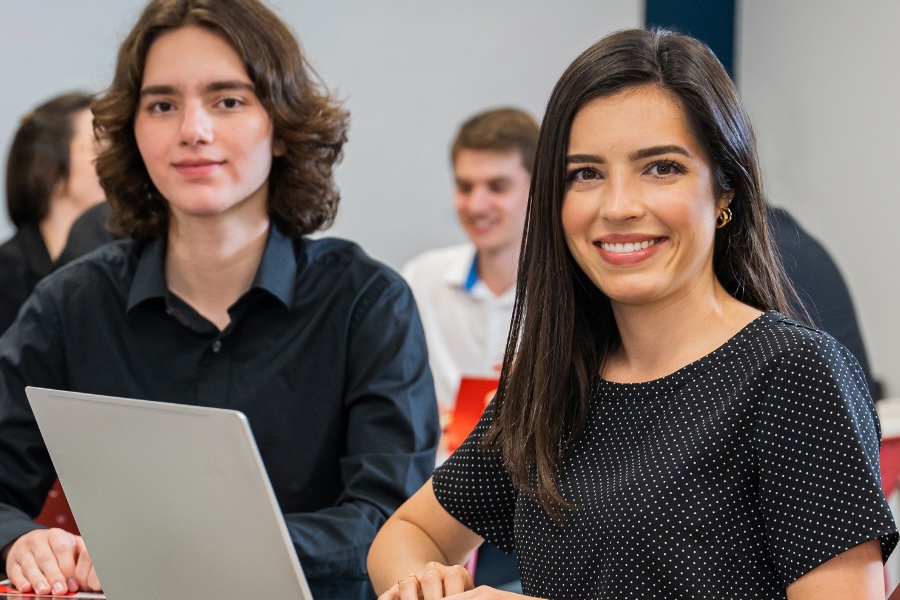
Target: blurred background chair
<point>56,511</point>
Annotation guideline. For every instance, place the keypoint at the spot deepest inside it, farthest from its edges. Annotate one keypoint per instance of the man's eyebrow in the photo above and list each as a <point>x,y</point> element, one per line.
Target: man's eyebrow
<point>157,90</point>
<point>215,86</point>
<point>224,86</point>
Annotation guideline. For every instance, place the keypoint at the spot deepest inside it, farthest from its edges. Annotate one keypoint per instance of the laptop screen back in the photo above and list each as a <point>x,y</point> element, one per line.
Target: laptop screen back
<point>173,501</point>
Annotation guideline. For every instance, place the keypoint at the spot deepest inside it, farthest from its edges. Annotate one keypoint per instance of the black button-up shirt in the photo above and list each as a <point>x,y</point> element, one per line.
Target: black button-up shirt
<point>324,354</point>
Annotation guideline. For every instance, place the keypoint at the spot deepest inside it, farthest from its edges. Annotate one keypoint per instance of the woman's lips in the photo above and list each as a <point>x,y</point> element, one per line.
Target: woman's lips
<point>620,248</point>
<point>623,253</point>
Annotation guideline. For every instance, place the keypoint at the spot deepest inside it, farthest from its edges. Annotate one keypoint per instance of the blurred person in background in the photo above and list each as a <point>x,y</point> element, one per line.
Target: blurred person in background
<point>821,289</point>
<point>50,181</point>
<point>466,292</point>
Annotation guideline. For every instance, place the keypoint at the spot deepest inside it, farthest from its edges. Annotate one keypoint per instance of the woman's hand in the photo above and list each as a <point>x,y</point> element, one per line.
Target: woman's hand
<point>430,583</point>
<point>437,581</point>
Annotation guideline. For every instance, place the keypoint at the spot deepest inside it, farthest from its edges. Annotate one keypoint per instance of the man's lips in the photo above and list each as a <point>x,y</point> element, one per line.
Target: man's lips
<point>197,168</point>
<point>480,223</point>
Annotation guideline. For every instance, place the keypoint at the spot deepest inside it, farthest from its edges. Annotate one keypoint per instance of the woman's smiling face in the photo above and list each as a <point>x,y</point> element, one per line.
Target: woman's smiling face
<point>640,205</point>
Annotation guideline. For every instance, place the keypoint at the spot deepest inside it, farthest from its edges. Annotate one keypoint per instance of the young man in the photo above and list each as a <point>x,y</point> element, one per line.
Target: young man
<point>218,159</point>
<point>465,293</point>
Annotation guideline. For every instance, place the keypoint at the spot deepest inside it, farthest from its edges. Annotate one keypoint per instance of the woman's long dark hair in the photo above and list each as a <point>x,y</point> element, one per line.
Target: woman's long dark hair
<point>563,328</point>
<point>40,156</point>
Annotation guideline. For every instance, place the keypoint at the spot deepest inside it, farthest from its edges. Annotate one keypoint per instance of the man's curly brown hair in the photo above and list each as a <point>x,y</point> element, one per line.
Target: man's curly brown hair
<point>307,119</point>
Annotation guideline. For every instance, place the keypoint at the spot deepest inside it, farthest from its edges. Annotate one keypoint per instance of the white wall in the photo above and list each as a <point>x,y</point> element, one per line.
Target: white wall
<point>821,82</point>
<point>410,72</point>
<point>819,77</point>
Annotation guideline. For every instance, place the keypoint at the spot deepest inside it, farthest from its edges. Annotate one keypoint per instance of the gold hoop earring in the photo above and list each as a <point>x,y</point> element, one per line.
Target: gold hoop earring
<point>724,217</point>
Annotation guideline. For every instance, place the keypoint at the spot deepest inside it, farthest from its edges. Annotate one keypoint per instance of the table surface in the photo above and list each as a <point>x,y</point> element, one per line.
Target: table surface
<point>327,589</point>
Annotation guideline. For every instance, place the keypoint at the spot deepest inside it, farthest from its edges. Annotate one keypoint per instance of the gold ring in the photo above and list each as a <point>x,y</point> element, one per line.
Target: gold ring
<point>412,574</point>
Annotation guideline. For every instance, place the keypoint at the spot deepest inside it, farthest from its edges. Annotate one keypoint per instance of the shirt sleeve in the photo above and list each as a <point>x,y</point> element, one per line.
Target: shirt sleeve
<point>391,433</point>
<point>474,487</point>
<point>817,441</point>
<point>29,355</point>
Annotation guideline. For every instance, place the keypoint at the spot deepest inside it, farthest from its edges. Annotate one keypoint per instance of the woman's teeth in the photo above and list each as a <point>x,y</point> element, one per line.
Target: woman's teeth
<point>629,247</point>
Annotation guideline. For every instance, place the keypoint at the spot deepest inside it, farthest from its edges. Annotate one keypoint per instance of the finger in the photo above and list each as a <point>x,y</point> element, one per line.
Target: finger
<point>64,547</point>
<point>391,594</point>
<point>17,578</point>
<point>409,588</point>
<point>455,581</point>
<point>34,578</point>
<point>432,582</point>
<point>94,581</point>
<point>85,576</point>
<point>43,572</point>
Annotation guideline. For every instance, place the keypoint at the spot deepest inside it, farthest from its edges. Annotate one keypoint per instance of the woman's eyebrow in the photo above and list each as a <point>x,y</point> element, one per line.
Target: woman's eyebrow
<point>584,158</point>
<point>657,150</point>
<point>636,155</point>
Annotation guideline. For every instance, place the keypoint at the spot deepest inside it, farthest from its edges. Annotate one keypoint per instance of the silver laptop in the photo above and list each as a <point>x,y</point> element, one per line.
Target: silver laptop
<point>173,501</point>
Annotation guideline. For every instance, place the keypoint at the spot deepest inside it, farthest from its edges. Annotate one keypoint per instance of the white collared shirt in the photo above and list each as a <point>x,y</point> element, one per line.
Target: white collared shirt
<point>466,324</point>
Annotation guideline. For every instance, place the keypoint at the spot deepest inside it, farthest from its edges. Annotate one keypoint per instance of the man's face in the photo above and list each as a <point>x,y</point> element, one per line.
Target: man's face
<point>491,197</point>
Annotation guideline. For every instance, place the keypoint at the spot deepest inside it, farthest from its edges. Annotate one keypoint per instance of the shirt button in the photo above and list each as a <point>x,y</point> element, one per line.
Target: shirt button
<point>169,311</point>
<point>216,346</point>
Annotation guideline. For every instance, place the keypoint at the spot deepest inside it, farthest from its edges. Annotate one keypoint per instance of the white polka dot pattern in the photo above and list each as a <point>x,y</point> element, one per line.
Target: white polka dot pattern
<point>729,478</point>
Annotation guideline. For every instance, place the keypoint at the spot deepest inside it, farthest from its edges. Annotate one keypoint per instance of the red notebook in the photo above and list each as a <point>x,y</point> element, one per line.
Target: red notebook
<point>5,589</point>
<point>8,592</point>
<point>474,394</point>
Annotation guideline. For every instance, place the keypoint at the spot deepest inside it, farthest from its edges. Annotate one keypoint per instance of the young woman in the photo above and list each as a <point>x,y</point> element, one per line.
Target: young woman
<point>50,181</point>
<point>218,161</point>
<point>661,429</point>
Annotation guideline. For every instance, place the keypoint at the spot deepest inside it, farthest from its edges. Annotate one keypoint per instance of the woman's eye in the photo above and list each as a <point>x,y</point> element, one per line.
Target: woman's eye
<point>161,107</point>
<point>583,174</point>
<point>231,102</point>
<point>665,168</point>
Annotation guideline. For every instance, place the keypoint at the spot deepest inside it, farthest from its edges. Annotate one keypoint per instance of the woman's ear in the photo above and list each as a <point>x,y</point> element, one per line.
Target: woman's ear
<point>278,148</point>
<point>725,199</point>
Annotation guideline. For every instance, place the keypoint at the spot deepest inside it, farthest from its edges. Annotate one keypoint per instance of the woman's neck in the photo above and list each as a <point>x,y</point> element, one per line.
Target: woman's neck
<point>211,263</point>
<point>659,340</point>
<point>55,226</point>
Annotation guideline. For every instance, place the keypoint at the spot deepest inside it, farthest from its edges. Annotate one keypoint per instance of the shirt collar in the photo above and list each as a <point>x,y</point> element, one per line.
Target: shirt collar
<point>472,277</point>
<point>150,274</point>
<point>276,273</point>
<point>463,274</point>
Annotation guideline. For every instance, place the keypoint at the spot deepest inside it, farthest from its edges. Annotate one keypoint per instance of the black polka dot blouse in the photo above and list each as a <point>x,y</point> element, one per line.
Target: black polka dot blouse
<point>730,478</point>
